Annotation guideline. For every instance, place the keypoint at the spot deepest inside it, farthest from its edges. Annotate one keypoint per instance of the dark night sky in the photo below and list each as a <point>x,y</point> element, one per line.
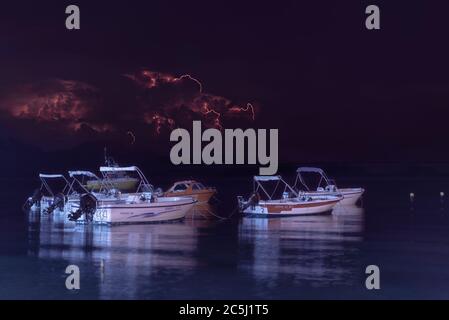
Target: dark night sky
<point>336,91</point>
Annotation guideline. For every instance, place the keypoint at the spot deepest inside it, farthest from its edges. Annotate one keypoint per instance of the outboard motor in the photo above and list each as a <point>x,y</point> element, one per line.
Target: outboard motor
<point>88,206</point>
<point>241,203</point>
<point>34,199</point>
<point>252,201</point>
<point>58,203</point>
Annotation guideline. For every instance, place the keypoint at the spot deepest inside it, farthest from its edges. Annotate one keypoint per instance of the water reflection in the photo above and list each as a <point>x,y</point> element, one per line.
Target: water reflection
<point>131,254</point>
<point>192,258</point>
<point>204,211</point>
<point>319,250</point>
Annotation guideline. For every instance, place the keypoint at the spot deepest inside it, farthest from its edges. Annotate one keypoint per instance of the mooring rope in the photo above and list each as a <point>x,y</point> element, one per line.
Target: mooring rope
<point>196,210</point>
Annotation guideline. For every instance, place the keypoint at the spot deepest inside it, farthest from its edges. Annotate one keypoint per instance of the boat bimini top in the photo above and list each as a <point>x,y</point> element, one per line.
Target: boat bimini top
<point>119,169</point>
<point>311,169</point>
<point>287,192</point>
<point>45,185</point>
<point>324,179</point>
<point>88,174</point>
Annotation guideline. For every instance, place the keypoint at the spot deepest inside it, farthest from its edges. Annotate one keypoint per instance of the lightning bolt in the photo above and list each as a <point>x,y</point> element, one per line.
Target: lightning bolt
<point>153,79</point>
<point>188,76</point>
<point>248,107</point>
<point>218,109</point>
<point>207,110</point>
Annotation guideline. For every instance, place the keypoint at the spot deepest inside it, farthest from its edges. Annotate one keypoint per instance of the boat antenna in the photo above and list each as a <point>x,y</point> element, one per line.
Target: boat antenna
<point>109,161</point>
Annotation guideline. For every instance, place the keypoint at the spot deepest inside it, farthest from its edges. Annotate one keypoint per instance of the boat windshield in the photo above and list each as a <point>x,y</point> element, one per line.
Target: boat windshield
<point>180,187</point>
<point>198,186</point>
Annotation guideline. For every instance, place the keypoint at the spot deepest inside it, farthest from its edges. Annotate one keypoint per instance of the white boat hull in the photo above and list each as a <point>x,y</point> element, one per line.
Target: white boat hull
<point>291,208</point>
<point>350,195</point>
<point>163,210</point>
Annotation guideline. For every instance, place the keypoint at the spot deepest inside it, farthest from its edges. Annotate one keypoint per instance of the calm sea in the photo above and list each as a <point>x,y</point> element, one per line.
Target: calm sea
<point>322,257</point>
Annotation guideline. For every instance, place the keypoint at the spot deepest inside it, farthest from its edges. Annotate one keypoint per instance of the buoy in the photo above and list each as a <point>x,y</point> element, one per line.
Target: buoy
<point>412,199</point>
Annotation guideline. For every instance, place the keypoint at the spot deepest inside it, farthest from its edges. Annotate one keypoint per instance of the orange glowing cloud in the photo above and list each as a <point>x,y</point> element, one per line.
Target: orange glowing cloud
<point>66,103</point>
<point>168,101</point>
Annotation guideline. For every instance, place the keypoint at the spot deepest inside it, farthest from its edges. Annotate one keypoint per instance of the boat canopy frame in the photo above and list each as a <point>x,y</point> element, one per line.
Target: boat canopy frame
<point>323,177</point>
<point>106,171</point>
<point>80,173</point>
<point>257,185</point>
<point>44,184</point>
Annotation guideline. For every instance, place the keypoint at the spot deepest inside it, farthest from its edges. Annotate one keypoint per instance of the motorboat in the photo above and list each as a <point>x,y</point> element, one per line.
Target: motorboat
<point>119,180</point>
<point>263,203</point>
<point>109,205</point>
<point>51,196</point>
<point>326,186</point>
<point>193,189</point>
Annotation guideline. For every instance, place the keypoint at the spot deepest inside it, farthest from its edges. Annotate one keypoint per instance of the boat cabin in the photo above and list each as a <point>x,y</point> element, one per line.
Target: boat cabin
<point>192,188</point>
